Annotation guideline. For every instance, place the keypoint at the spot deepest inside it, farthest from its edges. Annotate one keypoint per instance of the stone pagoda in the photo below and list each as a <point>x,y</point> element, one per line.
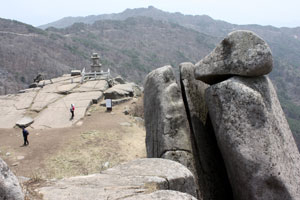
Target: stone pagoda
<point>96,65</point>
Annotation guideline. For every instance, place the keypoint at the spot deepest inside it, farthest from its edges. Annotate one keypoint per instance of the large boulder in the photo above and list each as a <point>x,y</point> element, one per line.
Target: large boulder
<point>119,80</point>
<point>13,107</point>
<point>240,53</point>
<point>261,157</point>
<point>120,91</point>
<point>25,121</point>
<point>75,72</point>
<point>9,185</point>
<point>212,176</point>
<point>133,179</point>
<point>167,128</point>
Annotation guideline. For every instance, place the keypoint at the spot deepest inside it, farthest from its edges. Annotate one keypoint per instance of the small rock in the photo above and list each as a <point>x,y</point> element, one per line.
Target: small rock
<point>79,123</point>
<point>88,114</point>
<point>126,111</point>
<point>106,164</point>
<point>134,100</point>
<point>119,80</point>
<point>7,154</point>
<point>125,124</point>
<point>15,164</point>
<point>20,157</point>
<point>75,72</point>
<point>33,85</point>
<point>138,119</point>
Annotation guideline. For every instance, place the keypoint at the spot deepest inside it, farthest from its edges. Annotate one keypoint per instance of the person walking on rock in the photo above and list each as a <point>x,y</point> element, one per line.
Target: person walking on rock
<point>25,136</point>
<point>72,109</point>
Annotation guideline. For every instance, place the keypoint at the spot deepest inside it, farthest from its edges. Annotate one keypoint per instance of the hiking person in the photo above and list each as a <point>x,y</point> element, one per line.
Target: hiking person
<point>72,110</point>
<point>25,135</point>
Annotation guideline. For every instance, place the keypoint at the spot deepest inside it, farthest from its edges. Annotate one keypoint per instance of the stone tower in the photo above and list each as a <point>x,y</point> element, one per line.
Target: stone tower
<point>96,65</point>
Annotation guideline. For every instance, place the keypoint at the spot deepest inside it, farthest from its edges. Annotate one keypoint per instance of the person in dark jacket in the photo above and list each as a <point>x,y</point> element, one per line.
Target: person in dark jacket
<point>72,109</point>
<point>25,136</point>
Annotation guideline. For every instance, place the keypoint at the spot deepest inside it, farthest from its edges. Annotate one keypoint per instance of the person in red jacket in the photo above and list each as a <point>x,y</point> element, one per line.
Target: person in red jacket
<point>72,109</point>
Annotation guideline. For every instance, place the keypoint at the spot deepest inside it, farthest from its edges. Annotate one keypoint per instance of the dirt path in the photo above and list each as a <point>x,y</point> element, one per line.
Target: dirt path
<point>97,142</point>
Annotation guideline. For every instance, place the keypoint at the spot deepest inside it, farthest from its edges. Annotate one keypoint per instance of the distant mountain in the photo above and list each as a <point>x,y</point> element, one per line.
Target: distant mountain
<point>216,27</point>
<point>135,42</point>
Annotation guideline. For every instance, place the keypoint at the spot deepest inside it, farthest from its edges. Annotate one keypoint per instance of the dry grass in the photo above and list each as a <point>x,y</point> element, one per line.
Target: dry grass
<point>137,109</point>
<point>29,187</point>
<point>89,154</point>
<point>94,108</point>
<point>151,187</point>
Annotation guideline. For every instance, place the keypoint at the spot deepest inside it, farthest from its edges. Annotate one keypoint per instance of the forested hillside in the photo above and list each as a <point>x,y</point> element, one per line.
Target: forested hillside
<point>135,42</point>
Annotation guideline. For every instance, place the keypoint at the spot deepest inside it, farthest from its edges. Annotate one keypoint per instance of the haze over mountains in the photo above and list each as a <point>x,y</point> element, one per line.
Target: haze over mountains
<point>133,43</point>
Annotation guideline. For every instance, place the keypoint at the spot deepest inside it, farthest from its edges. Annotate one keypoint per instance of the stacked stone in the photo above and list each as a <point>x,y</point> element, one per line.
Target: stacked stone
<point>260,154</point>
<point>241,143</point>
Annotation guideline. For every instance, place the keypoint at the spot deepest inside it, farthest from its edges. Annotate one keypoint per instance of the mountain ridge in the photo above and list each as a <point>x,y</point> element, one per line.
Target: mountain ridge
<point>136,45</point>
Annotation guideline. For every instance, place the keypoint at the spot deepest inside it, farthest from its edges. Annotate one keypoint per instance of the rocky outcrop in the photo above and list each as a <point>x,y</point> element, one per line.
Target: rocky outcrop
<point>212,176</point>
<point>9,185</point>
<point>167,129</point>
<point>122,91</point>
<point>139,179</point>
<point>243,149</point>
<point>257,145</point>
<point>241,53</point>
<point>49,103</point>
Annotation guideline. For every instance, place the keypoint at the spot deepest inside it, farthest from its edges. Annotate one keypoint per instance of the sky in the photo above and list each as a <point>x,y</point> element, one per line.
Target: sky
<point>277,13</point>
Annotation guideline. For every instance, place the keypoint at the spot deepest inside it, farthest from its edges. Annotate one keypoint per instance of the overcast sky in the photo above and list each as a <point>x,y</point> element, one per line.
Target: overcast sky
<point>264,12</point>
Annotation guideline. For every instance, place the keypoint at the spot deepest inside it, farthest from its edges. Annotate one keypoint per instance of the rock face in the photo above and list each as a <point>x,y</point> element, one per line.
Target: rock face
<point>162,195</point>
<point>167,128</point>
<point>139,179</point>
<point>49,103</point>
<point>9,184</point>
<point>212,176</point>
<point>60,109</point>
<point>257,145</point>
<point>24,122</point>
<point>243,149</point>
<point>240,53</point>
